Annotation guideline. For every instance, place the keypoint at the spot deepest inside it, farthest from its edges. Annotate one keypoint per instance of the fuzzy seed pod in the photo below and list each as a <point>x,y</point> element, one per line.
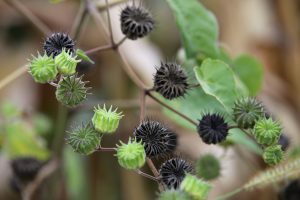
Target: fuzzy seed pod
<point>106,121</point>
<point>195,187</point>
<point>66,63</point>
<point>71,90</point>
<point>208,167</point>
<point>267,131</point>
<point>273,154</point>
<point>247,111</point>
<point>173,195</point>
<point>54,44</point>
<point>84,139</point>
<point>173,171</point>
<point>157,139</point>
<point>26,168</point>
<point>42,69</point>
<point>136,22</point>
<point>170,80</point>
<point>212,128</point>
<point>131,155</point>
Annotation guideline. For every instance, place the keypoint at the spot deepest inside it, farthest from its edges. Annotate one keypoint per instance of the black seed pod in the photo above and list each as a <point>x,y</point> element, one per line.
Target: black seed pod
<point>212,128</point>
<point>54,44</point>
<point>26,168</point>
<point>156,138</point>
<point>291,191</point>
<point>284,141</point>
<point>136,22</point>
<point>170,80</point>
<point>173,171</point>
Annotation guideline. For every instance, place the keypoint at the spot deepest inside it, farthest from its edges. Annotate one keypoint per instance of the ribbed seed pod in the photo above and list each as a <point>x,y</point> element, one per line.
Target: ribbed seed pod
<point>173,171</point>
<point>42,68</point>
<point>71,90</point>
<point>170,80</point>
<point>54,44</point>
<point>195,187</point>
<point>273,154</point>
<point>131,155</point>
<point>106,121</point>
<point>157,139</point>
<point>136,22</point>
<point>267,131</point>
<point>66,63</point>
<point>173,195</point>
<point>247,111</point>
<point>212,128</point>
<point>84,139</point>
<point>208,167</point>
<point>26,168</point>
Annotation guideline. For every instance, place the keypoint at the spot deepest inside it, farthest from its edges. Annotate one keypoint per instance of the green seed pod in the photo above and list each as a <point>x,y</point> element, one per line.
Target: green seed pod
<point>131,155</point>
<point>106,121</point>
<point>71,90</point>
<point>84,139</point>
<point>66,63</point>
<point>273,154</point>
<point>195,187</point>
<point>247,111</point>
<point>173,195</point>
<point>208,167</point>
<point>267,131</point>
<point>42,68</point>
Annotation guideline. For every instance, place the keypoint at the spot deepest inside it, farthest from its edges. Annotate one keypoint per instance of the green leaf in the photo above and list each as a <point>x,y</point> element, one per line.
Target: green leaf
<point>218,80</point>
<point>81,54</point>
<point>250,72</point>
<point>198,28</point>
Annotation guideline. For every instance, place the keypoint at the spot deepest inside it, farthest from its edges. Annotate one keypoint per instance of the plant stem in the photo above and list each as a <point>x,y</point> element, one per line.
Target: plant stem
<point>102,6</point>
<point>98,49</point>
<point>13,76</point>
<point>79,20</point>
<point>109,24</point>
<point>107,149</point>
<point>230,194</point>
<point>146,175</point>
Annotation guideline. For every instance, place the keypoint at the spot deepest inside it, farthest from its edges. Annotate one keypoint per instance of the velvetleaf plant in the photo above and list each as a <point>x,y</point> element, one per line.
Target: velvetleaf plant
<point>226,101</point>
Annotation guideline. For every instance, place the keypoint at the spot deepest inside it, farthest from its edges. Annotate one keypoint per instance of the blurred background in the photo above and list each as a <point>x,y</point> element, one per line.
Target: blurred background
<point>267,29</point>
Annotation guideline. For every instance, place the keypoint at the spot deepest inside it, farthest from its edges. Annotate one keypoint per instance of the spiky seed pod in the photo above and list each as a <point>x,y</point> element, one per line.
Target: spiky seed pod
<point>284,141</point>
<point>157,139</point>
<point>272,155</point>
<point>208,167</point>
<point>136,22</point>
<point>131,155</point>
<point>71,90</point>
<point>170,80</point>
<point>291,191</point>
<point>267,131</point>
<point>212,128</point>
<point>173,195</point>
<point>106,121</point>
<point>84,139</point>
<point>66,63</point>
<point>173,171</point>
<point>54,44</point>
<point>195,187</point>
<point>26,168</point>
<point>42,68</point>
<point>247,111</point>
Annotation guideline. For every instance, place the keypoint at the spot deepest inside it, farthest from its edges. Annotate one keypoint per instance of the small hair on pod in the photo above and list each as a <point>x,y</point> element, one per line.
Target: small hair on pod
<point>157,139</point>
<point>173,171</point>
<point>55,43</point>
<point>26,168</point>
<point>136,22</point>
<point>170,80</point>
<point>212,128</point>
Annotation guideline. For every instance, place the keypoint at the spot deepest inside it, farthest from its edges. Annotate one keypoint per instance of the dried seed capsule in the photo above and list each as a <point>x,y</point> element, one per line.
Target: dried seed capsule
<point>84,139</point>
<point>173,171</point>
<point>208,167</point>
<point>106,121</point>
<point>54,44</point>
<point>71,91</point>
<point>173,195</point>
<point>131,155</point>
<point>42,68</point>
<point>158,139</point>
<point>195,187</point>
<point>26,168</point>
<point>212,128</point>
<point>136,22</point>
<point>267,131</point>
<point>66,63</point>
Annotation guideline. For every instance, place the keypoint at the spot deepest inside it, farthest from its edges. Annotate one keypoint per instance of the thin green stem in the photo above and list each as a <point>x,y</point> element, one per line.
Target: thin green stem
<point>229,194</point>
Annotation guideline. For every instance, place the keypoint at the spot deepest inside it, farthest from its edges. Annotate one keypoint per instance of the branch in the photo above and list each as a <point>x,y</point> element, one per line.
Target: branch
<point>13,76</point>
